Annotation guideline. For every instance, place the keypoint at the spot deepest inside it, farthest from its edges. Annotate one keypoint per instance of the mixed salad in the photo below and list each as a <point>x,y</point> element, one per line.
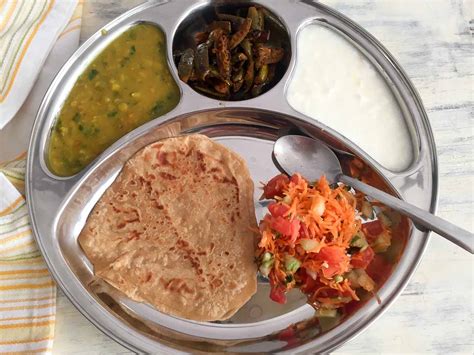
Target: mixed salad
<point>321,239</point>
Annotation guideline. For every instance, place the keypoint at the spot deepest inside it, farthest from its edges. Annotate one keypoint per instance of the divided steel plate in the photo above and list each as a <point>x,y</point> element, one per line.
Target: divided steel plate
<point>59,206</point>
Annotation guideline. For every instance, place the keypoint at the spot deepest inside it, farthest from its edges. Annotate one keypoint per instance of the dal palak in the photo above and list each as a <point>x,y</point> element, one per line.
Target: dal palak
<point>128,84</point>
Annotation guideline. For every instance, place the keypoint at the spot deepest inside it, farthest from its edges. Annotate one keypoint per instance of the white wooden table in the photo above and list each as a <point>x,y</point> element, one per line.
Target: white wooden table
<point>433,42</point>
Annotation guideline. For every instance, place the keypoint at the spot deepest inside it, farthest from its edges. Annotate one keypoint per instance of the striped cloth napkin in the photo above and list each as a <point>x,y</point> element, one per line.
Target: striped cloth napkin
<point>27,292</point>
<point>28,31</point>
<point>36,38</point>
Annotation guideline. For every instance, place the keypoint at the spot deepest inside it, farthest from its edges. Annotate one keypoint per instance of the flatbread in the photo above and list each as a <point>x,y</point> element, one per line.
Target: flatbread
<point>175,229</point>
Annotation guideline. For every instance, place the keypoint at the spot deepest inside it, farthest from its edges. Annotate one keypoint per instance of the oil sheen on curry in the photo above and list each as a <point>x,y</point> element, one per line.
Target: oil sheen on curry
<point>126,85</point>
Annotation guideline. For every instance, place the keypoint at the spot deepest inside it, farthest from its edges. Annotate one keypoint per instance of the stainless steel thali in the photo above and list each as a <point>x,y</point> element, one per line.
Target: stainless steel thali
<point>59,206</point>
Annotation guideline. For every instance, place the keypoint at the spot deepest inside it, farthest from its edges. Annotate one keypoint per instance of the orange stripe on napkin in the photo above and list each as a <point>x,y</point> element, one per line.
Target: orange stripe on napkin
<point>26,300</point>
<point>24,50</point>
<point>8,15</point>
<point>27,286</point>
<point>22,342</point>
<point>19,272</point>
<point>77,27</point>
<point>25,318</point>
<point>26,325</point>
<point>15,237</point>
<point>4,309</point>
<point>11,207</point>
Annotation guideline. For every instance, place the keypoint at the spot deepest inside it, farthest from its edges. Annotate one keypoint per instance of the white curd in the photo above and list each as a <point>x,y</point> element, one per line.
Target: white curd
<point>337,85</point>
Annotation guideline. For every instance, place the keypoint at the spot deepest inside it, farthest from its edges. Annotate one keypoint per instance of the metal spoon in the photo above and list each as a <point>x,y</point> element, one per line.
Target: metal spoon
<point>312,158</point>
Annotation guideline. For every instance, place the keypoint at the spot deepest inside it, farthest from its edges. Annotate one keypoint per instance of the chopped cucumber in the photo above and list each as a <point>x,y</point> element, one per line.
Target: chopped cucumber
<point>266,267</point>
<point>326,312</point>
<point>267,264</point>
<point>292,264</point>
<point>360,278</point>
<point>344,299</point>
<point>353,278</point>
<point>327,323</point>
<point>382,243</point>
<point>386,221</point>
<point>309,244</point>
<point>394,217</point>
<point>267,256</point>
<point>366,210</point>
<point>359,241</point>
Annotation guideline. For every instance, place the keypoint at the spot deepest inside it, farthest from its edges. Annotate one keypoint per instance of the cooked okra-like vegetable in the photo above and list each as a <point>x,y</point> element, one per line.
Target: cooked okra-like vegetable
<point>232,58</point>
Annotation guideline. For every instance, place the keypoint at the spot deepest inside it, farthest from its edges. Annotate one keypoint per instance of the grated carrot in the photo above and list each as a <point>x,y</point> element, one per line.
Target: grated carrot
<point>317,214</point>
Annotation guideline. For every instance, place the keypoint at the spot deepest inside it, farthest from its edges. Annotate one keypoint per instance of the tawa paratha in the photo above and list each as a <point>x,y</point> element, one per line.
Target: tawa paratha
<point>174,229</point>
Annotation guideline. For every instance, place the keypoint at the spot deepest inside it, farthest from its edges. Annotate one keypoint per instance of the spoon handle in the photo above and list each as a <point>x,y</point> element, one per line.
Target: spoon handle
<point>457,235</point>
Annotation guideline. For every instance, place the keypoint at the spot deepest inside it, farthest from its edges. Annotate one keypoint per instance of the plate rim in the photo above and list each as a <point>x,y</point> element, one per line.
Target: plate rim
<point>427,131</point>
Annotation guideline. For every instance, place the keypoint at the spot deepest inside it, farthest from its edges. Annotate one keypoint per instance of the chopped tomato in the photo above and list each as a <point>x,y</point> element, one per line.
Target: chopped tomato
<point>267,220</point>
<point>372,229</point>
<point>275,186</point>
<point>281,225</point>
<point>336,259</point>
<point>288,335</point>
<point>309,285</point>
<point>277,293</point>
<point>295,230</point>
<point>296,178</point>
<point>362,259</point>
<point>379,269</point>
<point>277,209</point>
<point>304,232</point>
<point>287,228</point>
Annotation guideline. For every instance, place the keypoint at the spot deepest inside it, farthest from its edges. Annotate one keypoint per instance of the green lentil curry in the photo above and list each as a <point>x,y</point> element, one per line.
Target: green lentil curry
<point>126,85</point>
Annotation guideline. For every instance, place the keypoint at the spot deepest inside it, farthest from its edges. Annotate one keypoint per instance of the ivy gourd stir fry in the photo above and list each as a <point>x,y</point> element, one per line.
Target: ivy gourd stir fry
<point>314,239</point>
<point>232,58</point>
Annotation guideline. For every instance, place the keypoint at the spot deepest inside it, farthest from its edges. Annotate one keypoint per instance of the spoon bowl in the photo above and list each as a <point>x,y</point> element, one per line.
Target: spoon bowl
<point>307,156</point>
<point>312,159</point>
